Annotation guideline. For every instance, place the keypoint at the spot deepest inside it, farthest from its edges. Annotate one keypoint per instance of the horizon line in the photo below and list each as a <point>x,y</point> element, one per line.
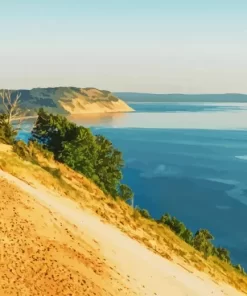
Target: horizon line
<point>128,92</point>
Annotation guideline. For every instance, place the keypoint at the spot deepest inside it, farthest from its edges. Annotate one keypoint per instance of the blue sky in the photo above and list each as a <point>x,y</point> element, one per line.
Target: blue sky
<point>146,46</point>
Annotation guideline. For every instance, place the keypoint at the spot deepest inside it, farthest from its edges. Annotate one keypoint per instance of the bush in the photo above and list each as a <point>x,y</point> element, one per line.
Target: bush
<point>7,132</point>
<point>175,225</point>
<point>222,253</point>
<point>136,214</point>
<point>144,213</point>
<point>35,146</point>
<point>22,150</point>
<point>201,241</point>
<point>240,268</point>
<point>125,192</point>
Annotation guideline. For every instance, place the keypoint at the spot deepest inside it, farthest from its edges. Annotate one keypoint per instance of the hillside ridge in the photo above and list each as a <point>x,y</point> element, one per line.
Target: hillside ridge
<point>93,220</point>
<point>105,261</point>
<point>135,97</point>
<point>70,100</point>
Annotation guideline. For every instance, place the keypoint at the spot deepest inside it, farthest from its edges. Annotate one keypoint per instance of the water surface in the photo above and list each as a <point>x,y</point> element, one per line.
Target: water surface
<point>186,159</point>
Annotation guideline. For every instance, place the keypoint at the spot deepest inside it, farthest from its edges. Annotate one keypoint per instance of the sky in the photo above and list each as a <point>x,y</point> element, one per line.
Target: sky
<point>157,46</point>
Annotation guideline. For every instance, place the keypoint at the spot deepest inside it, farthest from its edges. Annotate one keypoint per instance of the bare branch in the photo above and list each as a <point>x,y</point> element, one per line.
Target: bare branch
<point>3,97</point>
<point>11,105</point>
<point>8,96</point>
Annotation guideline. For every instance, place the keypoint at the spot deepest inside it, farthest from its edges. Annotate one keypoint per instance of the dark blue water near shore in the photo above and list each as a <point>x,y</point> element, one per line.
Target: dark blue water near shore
<point>197,175</point>
<point>193,175</point>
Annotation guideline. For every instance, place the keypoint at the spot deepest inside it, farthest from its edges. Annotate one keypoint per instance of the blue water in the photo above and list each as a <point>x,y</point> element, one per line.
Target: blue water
<point>188,160</point>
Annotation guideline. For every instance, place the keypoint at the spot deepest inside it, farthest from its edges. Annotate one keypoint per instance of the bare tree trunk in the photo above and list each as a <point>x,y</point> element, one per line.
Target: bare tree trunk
<point>11,105</point>
<point>132,202</point>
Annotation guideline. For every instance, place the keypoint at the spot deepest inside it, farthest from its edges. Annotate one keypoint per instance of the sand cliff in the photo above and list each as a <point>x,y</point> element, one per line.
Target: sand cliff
<point>70,100</point>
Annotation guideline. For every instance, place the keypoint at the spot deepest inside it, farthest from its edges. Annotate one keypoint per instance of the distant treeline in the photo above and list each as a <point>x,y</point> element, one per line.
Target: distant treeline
<point>192,98</point>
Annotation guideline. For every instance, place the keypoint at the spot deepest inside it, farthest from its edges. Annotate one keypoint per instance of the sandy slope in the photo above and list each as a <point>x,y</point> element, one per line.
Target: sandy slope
<point>52,247</point>
<point>82,106</point>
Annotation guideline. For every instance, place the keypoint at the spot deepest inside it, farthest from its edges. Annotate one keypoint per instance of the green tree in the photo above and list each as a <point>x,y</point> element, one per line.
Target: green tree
<point>187,236</point>
<point>80,153</point>
<point>125,192</point>
<point>93,156</point>
<point>165,219</point>
<point>240,268</point>
<point>52,130</point>
<point>222,253</point>
<point>7,132</point>
<point>177,226</point>
<point>205,233</point>
<point>202,242</point>
<point>145,213</point>
<point>108,166</point>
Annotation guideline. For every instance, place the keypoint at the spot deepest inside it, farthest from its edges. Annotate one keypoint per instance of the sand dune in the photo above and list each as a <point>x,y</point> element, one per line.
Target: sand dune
<point>52,247</point>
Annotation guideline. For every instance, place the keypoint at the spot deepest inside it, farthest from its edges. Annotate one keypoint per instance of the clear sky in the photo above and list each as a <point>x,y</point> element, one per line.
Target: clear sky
<point>187,46</point>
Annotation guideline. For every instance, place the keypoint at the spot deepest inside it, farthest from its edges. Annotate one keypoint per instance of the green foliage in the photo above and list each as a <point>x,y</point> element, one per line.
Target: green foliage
<point>240,268</point>
<point>21,149</point>
<point>205,233</point>
<point>222,253</point>
<point>108,165</point>
<point>7,132</point>
<point>33,145</point>
<point>202,242</point>
<point>125,192</point>
<point>77,147</point>
<point>187,236</point>
<point>105,93</point>
<point>96,158</point>
<point>144,213</point>
<point>112,98</point>
<point>136,214</point>
<point>80,153</point>
<point>175,225</point>
<point>52,130</point>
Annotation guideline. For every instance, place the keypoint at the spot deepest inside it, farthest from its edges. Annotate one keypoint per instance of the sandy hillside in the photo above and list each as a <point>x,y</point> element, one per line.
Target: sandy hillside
<point>50,246</point>
<point>70,100</point>
<point>92,101</point>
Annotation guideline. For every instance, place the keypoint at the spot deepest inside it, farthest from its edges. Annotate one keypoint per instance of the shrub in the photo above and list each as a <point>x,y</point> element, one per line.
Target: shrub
<point>7,132</point>
<point>125,192</point>
<point>144,213</point>
<point>22,150</point>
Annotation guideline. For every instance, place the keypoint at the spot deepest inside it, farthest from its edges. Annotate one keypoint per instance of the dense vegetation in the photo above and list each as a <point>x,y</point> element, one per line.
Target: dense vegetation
<point>96,158</point>
<point>7,132</point>
<point>201,240</point>
<point>77,147</point>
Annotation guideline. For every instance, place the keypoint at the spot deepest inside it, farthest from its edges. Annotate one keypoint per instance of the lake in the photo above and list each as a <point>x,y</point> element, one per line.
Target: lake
<point>189,160</point>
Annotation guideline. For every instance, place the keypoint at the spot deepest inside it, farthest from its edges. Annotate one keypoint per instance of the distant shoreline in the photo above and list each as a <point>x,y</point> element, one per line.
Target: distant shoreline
<point>181,98</point>
<point>77,114</point>
<point>185,102</point>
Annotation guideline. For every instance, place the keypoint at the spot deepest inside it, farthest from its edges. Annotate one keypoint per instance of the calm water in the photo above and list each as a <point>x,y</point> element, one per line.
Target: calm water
<point>186,159</point>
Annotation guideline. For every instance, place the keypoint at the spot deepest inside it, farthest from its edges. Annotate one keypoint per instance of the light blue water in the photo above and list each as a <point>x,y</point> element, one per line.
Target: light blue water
<point>189,160</point>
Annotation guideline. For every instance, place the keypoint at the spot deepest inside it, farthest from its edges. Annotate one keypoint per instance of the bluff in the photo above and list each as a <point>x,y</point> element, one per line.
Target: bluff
<point>70,100</point>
